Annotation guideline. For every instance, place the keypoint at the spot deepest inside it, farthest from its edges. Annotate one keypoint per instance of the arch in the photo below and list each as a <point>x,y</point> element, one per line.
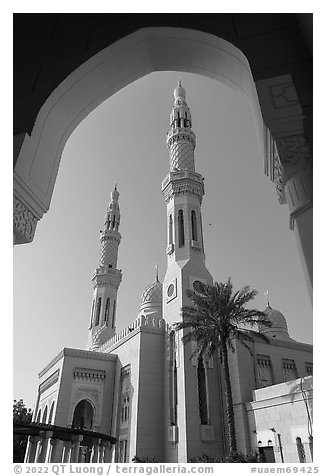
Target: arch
<point>38,419</point>
<point>83,416</point>
<point>181,228</point>
<point>98,311</point>
<point>51,413</point>
<point>45,414</point>
<point>202,392</point>
<point>130,58</point>
<point>194,230</point>
<point>170,229</point>
<point>140,53</point>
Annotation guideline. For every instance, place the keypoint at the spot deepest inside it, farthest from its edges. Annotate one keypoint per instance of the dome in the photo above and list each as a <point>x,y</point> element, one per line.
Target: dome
<point>179,91</point>
<point>152,295</point>
<point>278,328</point>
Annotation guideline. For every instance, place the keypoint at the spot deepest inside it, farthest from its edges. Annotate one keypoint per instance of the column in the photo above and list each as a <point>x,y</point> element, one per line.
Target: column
<point>55,456</point>
<point>95,451</point>
<point>43,446</point>
<point>289,164</point>
<point>67,445</point>
<point>31,449</point>
<point>107,451</point>
<point>76,439</point>
<point>101,453</point>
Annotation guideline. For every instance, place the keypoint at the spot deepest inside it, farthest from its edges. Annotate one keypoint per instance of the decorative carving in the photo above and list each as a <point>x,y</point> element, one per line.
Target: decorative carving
<point>89,374</point>
<point>284,95</point>
<point>24,220</point>
<point>294,150</point>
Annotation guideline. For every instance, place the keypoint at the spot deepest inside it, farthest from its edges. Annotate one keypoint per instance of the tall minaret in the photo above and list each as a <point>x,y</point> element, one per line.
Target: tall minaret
<point>183,190</point>
<point>106,278</point>
<point>188,417</point>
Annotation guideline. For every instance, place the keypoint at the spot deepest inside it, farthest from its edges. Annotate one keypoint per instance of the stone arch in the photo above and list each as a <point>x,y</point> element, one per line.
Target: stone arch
<point>132,57</point>
<point>83,415</point>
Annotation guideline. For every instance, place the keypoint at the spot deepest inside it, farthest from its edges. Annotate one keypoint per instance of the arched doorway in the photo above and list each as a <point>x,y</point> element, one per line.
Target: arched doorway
<point>159,49</point>
<point>83,416</point>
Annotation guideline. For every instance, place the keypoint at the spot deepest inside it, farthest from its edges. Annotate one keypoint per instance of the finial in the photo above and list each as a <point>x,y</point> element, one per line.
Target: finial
<point>179,91</point>
<point>115,193</point>
<point>266,294</point>
<point>156,278</point>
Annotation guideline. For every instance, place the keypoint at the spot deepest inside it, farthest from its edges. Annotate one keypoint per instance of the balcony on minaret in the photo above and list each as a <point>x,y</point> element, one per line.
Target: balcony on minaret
<point>184,181</point>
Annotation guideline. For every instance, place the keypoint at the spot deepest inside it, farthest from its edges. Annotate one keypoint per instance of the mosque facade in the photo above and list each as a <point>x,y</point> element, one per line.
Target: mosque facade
<point>142,385</point>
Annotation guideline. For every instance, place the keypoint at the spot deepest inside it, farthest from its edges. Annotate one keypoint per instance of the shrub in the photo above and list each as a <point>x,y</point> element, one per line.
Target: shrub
<point>143,459</point>
<point>232,458</point>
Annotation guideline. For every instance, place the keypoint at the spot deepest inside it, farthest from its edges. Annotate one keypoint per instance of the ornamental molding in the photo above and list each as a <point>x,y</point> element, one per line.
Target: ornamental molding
<point>284,94</point>
<point>183,187</point>
<point>88,375</point>
<point>24,222</point>
<point>294,150</point>
<point>51,380</point>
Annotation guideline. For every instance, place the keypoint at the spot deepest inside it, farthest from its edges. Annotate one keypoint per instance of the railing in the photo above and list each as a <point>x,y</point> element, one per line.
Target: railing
<point>140,321</point>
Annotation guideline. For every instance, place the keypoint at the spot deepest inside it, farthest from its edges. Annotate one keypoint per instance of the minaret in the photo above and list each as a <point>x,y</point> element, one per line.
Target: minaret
<point>189,429</point>
<point>183,190</point>
<point>106,278</point>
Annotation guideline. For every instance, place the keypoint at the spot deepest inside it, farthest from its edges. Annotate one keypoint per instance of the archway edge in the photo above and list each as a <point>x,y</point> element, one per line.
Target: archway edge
<point>145,51</point>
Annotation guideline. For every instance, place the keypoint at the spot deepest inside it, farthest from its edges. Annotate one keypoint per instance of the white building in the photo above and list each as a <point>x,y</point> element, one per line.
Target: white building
<point>142,386</point>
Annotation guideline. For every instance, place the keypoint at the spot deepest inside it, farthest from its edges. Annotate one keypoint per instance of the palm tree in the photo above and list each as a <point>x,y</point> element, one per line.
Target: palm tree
<point>213,322</point>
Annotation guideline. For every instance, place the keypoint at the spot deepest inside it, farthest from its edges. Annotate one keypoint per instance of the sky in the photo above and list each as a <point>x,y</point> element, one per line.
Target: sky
<point>246,231</point>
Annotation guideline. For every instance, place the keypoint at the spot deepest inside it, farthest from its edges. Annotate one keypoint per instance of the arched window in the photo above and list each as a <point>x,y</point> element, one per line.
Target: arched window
<point>92,315</point>
<point>38,419</point>
<point>107,310</point>
<point>45,414</point>
<point>83,415</point>
<point>202,393</point>
<point>98,310</point>
<point>113,314</point>
<point>301,450</point>
<point>181,228</point>
<point>194,232</point>
<point>51,413</point>
<point>170,230</point>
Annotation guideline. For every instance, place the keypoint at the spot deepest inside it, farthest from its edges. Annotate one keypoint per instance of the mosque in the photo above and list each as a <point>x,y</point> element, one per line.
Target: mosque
<point>142,386</point>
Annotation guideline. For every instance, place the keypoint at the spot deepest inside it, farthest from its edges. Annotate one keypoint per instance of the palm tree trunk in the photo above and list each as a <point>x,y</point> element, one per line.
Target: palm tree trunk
<point>229,401</point>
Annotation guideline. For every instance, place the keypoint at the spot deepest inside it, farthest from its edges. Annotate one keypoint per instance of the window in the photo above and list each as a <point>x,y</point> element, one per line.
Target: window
<point>98,310</point>
<point>170,230</point>
<point>264,371</point>
<point>289,370</point>
<point>107,311</point>
<point>202,392</point>
<point>194,233</point>
<point>181,228</point>
<point>125,411</point>
<point>113,314</point>
<point>92,313</point>
<point>309,368</point>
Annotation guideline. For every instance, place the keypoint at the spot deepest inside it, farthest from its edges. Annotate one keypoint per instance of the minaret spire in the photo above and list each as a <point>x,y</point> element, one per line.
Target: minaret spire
<point>106,278</point>
<point>181,139</point>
